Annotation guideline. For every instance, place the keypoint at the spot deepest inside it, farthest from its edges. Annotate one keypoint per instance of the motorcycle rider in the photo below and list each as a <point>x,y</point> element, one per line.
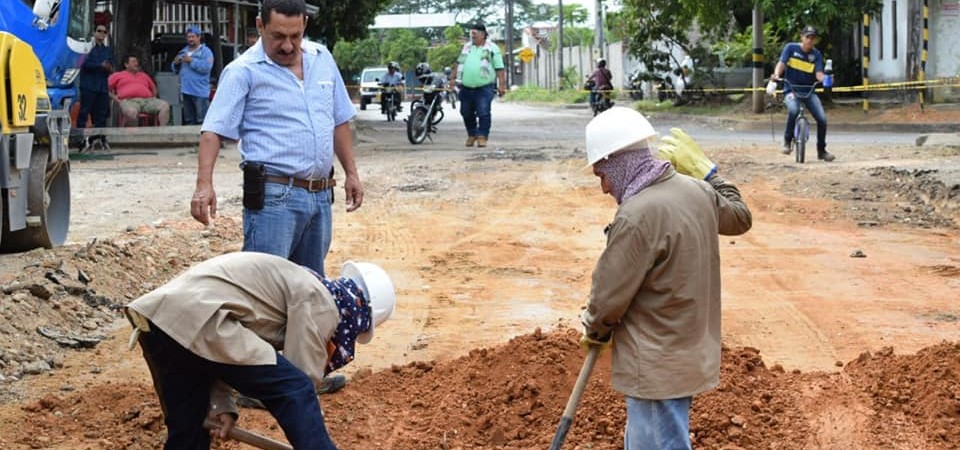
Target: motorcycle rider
<point>395,79</point>
<point>602,80</point>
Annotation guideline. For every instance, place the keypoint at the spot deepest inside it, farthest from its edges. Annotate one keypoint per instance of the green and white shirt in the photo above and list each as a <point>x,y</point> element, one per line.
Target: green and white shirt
<point>477,65</point>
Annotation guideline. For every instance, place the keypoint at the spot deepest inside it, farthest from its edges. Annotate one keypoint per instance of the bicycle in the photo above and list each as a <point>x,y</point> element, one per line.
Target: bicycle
<point>801,128</point>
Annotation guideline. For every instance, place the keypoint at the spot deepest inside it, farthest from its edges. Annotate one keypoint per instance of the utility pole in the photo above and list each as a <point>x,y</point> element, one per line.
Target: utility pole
<point>601,45</point>
<point>758,91</point>
<point>560,45</point>
<point>509,44</point>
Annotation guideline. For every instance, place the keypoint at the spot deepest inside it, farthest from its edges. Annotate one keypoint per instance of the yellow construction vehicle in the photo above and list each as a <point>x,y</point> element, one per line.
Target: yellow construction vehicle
<point>41,43</point>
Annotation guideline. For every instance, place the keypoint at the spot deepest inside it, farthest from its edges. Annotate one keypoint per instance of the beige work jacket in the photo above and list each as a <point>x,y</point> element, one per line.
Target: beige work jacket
<point>657,286</point>
<point>240,308</point>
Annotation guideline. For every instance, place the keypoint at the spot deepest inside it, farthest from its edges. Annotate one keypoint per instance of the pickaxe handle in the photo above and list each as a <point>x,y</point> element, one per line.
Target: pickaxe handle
<point>249,437</point>
<point>567,420</point>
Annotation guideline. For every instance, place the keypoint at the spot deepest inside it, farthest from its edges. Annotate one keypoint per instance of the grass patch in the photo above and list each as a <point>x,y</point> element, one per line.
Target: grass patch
<point>533,94</point>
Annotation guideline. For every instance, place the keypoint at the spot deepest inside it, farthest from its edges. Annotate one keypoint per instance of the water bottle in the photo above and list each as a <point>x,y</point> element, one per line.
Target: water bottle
<point>828,74</point>
<point>771,87</point>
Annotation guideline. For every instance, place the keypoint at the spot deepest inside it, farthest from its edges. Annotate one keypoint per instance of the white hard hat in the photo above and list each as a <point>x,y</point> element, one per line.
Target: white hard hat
<point>377,288</point>
<point>615,129</point>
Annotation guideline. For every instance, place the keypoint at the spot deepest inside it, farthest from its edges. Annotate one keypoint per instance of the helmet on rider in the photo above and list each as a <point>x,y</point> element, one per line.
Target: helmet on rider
<point>378,290</point>
<point>601,63</point>
<point>422,69</point>
<point>447,71</point>
<point>616,129</point>
<point>393,65</point>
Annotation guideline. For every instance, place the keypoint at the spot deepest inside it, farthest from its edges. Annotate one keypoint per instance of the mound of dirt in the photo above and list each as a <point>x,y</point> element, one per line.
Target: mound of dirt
<point>69,297</point>
<point>512,396</point>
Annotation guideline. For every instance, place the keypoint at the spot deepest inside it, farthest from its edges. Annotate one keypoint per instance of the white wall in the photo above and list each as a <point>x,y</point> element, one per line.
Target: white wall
<point>888,58</point>
<point>944,46</point>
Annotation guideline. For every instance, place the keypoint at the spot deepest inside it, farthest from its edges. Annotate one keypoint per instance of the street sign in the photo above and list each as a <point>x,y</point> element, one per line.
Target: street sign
<point>526,55</point>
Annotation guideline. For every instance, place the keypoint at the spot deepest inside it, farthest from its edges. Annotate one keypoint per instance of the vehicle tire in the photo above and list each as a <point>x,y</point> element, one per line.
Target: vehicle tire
<point>48,197</point>
<point>363,104</point>
<point>802,134</point>
<point>417,126</point>
<point>391,111</point>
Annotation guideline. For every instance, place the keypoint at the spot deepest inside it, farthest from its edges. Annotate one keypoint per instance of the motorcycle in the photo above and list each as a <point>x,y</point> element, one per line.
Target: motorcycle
<point>427,111</point>
<point>390,104</point>
<point>600,99</point>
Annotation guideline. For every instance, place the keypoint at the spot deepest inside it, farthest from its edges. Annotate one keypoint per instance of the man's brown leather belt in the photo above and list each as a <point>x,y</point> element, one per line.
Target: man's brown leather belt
<point>315,185</point>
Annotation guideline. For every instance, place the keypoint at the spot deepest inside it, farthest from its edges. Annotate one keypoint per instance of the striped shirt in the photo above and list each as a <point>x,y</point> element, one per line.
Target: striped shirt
<point>801,67</point>
<point>284,122</point>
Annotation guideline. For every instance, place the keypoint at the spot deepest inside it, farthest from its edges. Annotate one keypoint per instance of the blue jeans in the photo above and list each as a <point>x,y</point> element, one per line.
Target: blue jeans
<point>194,109</point>
<point>658,424</point>
<point>96,106</point>
<point>475,109</point>
<point>816,110</point>
<point>183,381</point>
<point>294,223</point>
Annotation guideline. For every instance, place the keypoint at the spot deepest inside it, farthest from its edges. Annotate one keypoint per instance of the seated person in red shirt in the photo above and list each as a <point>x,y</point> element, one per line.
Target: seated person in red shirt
<point>137,93</point>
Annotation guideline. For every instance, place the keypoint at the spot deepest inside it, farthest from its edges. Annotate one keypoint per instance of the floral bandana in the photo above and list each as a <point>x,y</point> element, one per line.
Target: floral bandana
<point>630,171</point>
<point>356,317</point>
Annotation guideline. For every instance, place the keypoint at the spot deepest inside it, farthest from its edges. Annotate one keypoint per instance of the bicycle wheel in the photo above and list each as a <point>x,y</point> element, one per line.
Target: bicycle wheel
<point>417,126</point>
<point>802,134</point>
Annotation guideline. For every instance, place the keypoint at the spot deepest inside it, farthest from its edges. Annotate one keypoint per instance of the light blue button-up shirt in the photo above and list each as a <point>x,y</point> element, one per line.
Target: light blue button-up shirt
<point>284,122</point>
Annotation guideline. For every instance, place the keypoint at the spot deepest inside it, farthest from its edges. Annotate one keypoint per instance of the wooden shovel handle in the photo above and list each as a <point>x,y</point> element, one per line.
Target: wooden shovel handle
<point>249,437</point>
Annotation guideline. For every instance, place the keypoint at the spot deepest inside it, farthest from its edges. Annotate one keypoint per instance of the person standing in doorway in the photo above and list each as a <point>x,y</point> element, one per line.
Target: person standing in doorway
<point>479,69</point>
<point>286,101</point>
<point>94,94</point>
<point>194,63</point>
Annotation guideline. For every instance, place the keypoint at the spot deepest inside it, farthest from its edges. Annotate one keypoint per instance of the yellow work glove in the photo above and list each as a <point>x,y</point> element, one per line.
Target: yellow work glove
<point>686,155</point>
<point>586,342</point>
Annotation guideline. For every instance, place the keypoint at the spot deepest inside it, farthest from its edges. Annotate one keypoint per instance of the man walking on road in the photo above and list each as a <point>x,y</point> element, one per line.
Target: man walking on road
<point>290,107</point>
<point>655,295</point>
<point>479,69</point>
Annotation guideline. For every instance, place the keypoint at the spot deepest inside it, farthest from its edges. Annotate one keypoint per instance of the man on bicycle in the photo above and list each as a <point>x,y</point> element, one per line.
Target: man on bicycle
<point>801,64</point>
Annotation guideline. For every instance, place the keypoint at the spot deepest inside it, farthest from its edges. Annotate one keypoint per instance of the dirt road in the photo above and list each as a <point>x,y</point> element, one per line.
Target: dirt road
<point>486,245</point>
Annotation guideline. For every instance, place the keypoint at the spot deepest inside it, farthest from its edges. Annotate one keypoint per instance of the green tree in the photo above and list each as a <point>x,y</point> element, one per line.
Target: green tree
<point>352,57</point>
<point>403,46</point>
<point>655,27</point>
<point>443,56</point>
<point>339,20</point>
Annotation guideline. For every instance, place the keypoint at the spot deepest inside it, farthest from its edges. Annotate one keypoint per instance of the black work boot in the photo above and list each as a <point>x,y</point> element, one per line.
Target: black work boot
<point>824,155</point>
<point>787,147</point>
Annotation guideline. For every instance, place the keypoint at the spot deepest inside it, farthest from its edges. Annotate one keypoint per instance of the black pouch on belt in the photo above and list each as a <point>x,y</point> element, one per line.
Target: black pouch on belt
<point>254,179</point>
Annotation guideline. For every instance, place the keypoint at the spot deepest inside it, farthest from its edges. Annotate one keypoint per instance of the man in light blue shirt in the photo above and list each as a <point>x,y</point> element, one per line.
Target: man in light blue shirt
<point>290,107</point>
<point>194,63</point>
<point>395,79</point>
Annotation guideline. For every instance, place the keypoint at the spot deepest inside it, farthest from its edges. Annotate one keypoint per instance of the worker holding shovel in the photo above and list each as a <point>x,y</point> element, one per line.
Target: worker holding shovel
<point>655,295</point>
<point>221,325</point>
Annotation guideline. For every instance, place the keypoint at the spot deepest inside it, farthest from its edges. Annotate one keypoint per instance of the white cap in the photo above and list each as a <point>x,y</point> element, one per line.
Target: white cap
<point>615,129</point>
<point>378,290</point>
